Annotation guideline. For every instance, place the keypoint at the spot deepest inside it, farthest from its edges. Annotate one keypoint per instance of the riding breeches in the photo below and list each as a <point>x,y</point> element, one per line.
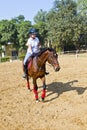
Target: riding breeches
<point>26,57</point>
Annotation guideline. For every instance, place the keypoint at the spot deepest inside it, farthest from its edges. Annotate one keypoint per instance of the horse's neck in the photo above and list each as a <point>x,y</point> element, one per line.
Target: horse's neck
<point>42,58</point>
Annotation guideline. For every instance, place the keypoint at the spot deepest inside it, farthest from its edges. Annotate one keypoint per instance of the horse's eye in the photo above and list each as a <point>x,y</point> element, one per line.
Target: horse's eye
<point>55,55</point>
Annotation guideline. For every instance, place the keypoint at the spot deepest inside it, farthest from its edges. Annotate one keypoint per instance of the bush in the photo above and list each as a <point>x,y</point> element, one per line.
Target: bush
<point>21,57</point>
<point>4,59</point>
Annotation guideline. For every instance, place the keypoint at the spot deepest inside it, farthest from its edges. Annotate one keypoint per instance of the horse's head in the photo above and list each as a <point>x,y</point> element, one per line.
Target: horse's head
<point>53,59</point>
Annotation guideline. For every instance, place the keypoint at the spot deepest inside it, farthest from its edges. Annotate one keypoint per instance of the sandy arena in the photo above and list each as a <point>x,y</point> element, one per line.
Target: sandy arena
<point>65,106</point>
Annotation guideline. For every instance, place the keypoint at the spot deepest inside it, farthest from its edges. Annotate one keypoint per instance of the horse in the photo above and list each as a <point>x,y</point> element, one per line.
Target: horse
<point>37,68</point>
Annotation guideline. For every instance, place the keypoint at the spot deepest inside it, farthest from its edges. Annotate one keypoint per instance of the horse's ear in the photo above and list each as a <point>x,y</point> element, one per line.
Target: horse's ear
<point>50,45</point>
<point>55,48</point>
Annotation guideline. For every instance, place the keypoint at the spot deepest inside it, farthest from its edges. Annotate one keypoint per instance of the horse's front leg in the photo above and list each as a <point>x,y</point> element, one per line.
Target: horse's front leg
<point>35,88</point>
<point>44,88</point>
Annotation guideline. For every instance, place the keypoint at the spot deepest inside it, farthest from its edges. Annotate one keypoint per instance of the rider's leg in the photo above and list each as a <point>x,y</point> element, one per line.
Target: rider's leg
<point>25,71</point>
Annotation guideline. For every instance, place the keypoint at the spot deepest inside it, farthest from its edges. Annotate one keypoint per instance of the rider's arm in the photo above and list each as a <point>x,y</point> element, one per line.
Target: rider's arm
<point>39,45</point>
<point>29,47</point>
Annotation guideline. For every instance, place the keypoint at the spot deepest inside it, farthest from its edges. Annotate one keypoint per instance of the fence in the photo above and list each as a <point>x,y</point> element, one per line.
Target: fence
<point>11,58</point>
<point>76,53</point>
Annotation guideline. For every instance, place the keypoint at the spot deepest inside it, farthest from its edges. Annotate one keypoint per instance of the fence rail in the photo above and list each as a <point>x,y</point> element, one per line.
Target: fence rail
<point>74,52</point>
<point>77,53</point>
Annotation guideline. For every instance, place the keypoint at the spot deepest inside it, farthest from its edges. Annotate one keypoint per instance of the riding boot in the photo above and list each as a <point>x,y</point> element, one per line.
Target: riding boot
<point>25,71</point>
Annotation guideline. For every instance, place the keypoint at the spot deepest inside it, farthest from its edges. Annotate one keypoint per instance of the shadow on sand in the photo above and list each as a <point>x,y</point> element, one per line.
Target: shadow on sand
<point>59,88</point>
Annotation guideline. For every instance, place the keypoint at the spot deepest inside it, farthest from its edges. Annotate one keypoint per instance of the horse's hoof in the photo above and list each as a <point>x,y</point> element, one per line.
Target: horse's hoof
<point>42,99</point>
<point>29,89</point>
<point>37,100</point>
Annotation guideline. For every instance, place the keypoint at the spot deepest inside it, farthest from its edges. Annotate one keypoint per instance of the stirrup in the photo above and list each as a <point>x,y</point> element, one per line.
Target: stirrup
<point>24,76</point>
<point>46,73</point>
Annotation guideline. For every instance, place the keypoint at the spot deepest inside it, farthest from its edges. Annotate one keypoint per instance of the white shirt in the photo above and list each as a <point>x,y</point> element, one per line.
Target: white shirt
<point>34,44</point>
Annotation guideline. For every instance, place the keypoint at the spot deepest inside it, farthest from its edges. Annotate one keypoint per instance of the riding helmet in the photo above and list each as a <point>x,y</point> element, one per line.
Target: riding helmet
<point>33,31</point>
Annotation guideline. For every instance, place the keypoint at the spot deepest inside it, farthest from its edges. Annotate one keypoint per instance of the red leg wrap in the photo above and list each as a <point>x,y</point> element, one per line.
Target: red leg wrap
<point>36,94</point>
<point>43,93</point>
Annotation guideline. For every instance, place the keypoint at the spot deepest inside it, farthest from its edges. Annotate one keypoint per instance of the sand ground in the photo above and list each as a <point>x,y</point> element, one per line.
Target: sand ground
<point>65,106</point>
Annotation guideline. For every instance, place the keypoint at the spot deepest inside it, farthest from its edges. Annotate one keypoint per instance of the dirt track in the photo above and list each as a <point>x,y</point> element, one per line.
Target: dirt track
<point>65,106</point>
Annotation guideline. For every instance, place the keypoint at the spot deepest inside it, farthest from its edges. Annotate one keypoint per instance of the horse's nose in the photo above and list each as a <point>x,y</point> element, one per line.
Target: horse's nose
<point>57,69</point>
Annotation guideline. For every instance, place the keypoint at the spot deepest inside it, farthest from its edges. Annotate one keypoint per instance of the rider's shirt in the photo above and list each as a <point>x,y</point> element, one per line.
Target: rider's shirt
<point>34,44</point>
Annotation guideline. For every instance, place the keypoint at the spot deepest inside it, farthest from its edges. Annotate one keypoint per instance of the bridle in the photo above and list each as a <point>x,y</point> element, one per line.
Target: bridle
<point>50,58</point>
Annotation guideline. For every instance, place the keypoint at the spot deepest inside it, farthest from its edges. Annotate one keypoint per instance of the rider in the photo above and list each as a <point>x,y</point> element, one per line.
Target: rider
<point>33,47</point>
<point>33,44</point>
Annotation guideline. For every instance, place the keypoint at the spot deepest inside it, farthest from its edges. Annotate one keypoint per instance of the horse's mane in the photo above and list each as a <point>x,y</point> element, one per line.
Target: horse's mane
<point>42,50</point>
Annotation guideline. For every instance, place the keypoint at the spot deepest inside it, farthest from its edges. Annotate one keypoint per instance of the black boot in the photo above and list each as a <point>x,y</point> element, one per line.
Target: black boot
<point>25,71</point>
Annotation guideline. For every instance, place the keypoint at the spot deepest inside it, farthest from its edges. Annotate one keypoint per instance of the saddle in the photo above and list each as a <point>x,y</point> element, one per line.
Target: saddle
<point>32,60</point>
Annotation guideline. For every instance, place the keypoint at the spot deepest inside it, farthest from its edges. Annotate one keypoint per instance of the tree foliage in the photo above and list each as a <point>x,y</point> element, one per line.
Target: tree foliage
<point>40,16</point>
<point>65,26</point>
<point>8,31</point>
<point>15,31</point>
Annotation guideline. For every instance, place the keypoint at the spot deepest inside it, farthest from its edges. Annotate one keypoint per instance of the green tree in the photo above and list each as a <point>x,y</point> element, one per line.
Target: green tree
<point>64,24</point>
<point>15,31</point>
<point>40,24</point>
<point>40,16</point>
<point>22,26</point>
<point>8,32</point>
<point>82,6</point>
<point>23,29</point>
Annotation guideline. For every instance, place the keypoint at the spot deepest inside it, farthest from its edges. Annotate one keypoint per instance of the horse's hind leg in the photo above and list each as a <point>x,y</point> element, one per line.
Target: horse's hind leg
<point>28,84</point>
<point>44,88</point>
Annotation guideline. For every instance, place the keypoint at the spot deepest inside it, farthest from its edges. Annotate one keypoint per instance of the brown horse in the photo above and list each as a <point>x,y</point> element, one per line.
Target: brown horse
<point>36,69</point>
